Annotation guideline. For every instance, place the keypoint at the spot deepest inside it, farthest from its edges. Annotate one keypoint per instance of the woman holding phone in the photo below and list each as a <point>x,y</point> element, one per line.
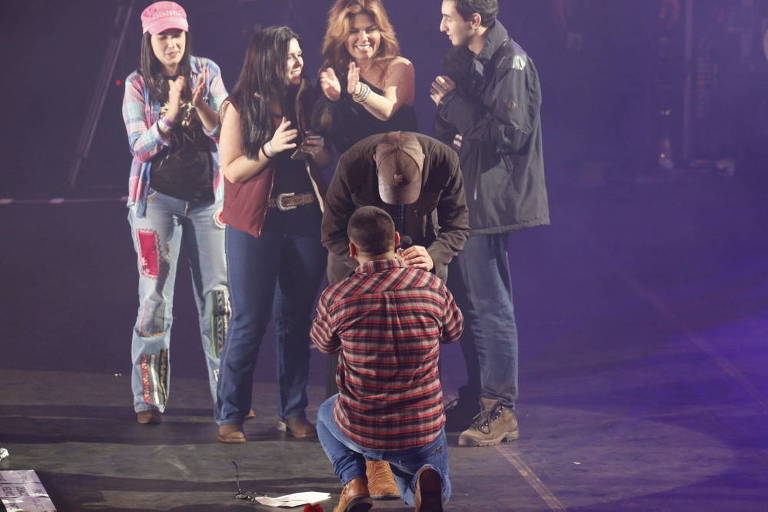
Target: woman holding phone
<point>272,207</point>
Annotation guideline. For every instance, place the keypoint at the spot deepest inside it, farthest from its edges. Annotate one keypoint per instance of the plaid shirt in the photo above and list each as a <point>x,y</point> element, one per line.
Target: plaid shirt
<point>387,320</point>
<point>141,115</point>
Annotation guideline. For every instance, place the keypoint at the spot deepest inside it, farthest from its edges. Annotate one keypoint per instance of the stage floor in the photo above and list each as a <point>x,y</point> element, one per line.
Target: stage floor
<point>643,318</point>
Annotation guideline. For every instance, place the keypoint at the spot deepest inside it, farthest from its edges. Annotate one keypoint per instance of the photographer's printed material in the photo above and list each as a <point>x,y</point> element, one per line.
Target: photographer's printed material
<point>21,491</point>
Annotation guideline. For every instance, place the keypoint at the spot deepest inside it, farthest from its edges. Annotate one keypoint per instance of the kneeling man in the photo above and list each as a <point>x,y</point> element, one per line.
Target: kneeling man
<point>386,321</point>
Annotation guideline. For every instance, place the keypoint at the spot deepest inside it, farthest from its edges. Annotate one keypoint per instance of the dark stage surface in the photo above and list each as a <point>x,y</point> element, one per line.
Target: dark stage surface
<point>642,311</point>
<point>643,323</point>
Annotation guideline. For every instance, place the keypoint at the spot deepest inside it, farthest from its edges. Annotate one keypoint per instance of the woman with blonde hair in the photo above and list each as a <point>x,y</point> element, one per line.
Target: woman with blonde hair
<point>368,87</point>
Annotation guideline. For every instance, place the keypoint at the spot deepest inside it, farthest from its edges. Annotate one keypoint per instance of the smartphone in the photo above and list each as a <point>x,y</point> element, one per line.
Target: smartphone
<point>299,154</point>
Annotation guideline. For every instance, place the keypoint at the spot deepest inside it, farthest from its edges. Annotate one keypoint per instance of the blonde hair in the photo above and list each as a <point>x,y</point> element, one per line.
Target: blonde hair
<point>340,18</point>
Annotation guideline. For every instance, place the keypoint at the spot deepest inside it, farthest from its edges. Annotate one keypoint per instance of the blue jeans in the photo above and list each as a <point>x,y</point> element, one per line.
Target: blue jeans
<point>348,458</point>
<point>479,279</point>
<point>274,270</point>
<point>157,238</point>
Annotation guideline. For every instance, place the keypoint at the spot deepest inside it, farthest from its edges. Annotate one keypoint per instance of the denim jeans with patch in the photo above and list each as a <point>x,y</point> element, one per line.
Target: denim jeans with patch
<point>157,239</point>
<point>348,458</point>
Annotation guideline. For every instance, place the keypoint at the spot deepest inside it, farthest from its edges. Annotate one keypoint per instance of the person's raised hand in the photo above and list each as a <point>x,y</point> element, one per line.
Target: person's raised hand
<point>330,85</point>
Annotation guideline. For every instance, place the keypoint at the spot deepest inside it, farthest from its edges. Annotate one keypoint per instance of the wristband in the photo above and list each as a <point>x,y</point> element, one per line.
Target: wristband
<point>267,148</point>
<point>168,125</point>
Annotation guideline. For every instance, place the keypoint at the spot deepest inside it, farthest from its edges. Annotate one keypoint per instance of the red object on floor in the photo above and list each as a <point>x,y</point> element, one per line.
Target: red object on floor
<point>313,508</point>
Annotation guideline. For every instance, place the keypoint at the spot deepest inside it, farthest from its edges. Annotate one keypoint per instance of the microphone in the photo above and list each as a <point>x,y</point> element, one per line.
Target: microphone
<point>405,242</point>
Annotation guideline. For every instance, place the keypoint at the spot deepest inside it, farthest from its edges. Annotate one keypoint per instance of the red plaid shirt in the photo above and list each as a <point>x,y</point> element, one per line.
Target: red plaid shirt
<point>388,320</point>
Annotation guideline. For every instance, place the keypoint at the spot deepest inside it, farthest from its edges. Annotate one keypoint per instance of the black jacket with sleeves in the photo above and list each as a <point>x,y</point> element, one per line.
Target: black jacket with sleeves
<point>438,220</point>
<point>496,111</point>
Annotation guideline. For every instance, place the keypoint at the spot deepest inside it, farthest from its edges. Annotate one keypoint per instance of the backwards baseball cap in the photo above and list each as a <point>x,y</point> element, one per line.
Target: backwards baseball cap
<point>399,162</point>
<point>162,16</point>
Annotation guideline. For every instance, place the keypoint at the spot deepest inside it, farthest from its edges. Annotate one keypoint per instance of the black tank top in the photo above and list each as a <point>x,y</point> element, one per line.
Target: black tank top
<point>352,122</point>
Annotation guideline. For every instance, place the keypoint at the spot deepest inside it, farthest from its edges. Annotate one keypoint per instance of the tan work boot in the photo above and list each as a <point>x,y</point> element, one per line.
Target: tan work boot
<point>381,482</point>
<point>429,492</point>
<point>354,497</point>
<point>495,424</point>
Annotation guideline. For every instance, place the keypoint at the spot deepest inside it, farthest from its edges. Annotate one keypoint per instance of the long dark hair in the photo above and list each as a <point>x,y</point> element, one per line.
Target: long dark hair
<point>263,81</point>
<point>152,70</point>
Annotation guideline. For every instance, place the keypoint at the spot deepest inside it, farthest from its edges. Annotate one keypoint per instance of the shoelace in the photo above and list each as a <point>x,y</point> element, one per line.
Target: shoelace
<point>482,420</point>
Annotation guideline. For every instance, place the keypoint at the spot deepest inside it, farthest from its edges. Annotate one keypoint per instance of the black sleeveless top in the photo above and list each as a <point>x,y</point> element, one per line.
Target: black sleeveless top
<point>345,122</point>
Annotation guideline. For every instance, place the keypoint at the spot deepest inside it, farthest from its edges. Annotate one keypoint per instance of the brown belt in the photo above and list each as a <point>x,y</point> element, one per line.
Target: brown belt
<point>291,200</point>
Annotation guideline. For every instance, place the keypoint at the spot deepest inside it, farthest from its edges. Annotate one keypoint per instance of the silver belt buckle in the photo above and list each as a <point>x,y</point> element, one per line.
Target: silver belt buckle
<point>281,206</point>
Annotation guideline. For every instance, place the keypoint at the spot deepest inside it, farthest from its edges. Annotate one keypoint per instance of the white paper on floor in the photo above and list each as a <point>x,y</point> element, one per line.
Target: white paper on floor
<point>22,491</point>
<point>294,500</point>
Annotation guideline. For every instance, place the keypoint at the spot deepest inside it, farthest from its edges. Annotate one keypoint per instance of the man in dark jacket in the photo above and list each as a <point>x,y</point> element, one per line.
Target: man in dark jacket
<point>434,219</point>
<point>488,109</point>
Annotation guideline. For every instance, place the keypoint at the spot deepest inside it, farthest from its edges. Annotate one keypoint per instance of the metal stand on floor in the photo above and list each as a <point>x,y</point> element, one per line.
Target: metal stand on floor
<point>120,27</point>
